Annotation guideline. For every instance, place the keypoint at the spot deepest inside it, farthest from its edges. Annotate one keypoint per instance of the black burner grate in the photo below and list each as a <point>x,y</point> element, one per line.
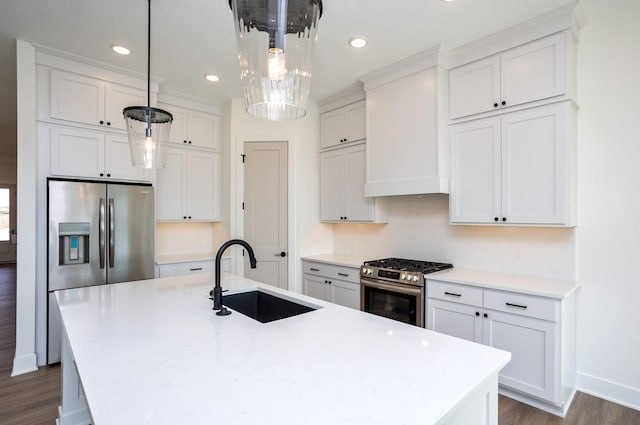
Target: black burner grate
<point>408,265</point>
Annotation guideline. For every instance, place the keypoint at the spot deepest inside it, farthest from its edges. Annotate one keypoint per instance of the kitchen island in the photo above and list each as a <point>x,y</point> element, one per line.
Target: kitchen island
<point>154,352</point>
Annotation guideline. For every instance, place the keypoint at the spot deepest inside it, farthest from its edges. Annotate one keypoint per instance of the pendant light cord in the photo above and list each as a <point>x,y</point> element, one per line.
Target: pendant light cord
<point>149,54</point>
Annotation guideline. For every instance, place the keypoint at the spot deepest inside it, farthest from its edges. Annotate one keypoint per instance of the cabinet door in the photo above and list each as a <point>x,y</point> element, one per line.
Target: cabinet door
<point>534,358</point>
<point>202,129</point>
<point>191,267</point>
<point>535,144</point>
<point>332,186</point>
<point>475,171</point>
<point>315,286</point>
<point>357,206</point>
<point>534,71</point>
<point>331,128</point>
<point>355,117</point>
<point>178,132</point>
<point>345,293</point>
<point>474,88</point>
<point>459,320</point>
<point>77,98</point>
<point>203,186</point>
<point>118,97</point>
<point>117,159</point>
<point>76,152</point>
<point>171,191</point>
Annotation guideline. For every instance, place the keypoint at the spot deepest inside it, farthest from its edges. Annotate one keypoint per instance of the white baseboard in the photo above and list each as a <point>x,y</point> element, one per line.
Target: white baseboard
<point>24,364</point>
<point>608,390</point>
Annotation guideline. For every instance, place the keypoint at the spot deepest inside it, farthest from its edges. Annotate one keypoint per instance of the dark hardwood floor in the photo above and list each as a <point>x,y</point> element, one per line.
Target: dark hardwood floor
<point>33,399</point>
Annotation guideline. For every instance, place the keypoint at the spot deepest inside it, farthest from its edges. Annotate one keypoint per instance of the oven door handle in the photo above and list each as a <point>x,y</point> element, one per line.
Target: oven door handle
<point>403,289</point>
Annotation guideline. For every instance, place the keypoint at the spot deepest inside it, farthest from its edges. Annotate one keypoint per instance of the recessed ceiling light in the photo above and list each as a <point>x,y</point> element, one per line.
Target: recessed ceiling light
<point>358,42</point>
<point>212,78</point>
<point>121,50</point>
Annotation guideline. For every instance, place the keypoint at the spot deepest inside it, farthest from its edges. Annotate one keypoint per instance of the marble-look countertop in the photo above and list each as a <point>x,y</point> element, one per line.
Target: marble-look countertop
<point>337,259</point>
<point>154,352</point>
<point>550,288</point>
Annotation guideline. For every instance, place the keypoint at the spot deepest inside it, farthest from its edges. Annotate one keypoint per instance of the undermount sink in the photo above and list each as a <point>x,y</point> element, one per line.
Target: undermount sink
<point>263,306</point>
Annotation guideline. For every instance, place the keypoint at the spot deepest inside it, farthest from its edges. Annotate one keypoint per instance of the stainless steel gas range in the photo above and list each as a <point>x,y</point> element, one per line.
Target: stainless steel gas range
<point>395,288</point>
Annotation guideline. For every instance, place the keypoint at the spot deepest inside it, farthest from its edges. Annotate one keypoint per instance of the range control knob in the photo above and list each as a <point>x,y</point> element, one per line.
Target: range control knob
<point>403,276</point>
<point>415,278</point>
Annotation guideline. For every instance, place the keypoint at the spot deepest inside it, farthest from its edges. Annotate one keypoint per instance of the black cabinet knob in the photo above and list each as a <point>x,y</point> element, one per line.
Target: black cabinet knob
<point>495,105</point>
<point>108,123</point>
<point>108,174</point>
<point>101,174</point>
<point>189,217</point>
<point>189,141</point>
<point>101,122</point>
<point>504,103</point>
<point>485,315</point>
<point>495,218</point>
<point>184,141</point>
<point>477,313</point>
<point>504,218</point>
<point>184,216</point>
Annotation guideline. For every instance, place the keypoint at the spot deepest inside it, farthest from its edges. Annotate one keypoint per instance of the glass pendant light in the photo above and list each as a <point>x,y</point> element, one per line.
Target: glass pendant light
<point>147,127</point>
<point>275,48</point>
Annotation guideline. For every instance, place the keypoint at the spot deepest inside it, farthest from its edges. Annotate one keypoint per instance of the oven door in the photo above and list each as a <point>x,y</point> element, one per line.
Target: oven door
<point>404,303</point>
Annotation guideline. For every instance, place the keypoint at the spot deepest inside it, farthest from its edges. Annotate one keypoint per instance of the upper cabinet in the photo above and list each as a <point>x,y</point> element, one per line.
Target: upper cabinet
<point>343,125</point>
<point>515,168</point>
<point>531,72</point>
<point>406,138</point>
<point>87,100</point>
<point>193,127</point>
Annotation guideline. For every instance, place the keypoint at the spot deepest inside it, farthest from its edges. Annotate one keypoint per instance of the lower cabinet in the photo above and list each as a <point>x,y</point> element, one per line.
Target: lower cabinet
<point>332,283</point>
<point>192,267</point>
<point>530,327</point>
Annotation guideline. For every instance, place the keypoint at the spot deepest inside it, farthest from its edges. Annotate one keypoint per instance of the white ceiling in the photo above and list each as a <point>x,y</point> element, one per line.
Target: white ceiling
<point>191,38</point>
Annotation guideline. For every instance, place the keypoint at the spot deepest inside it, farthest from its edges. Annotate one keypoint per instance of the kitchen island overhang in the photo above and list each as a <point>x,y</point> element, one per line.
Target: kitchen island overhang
<point>154,352</point>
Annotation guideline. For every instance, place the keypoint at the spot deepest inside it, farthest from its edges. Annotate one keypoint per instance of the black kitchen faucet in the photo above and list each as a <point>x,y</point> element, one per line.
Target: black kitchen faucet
<point>217,290</point>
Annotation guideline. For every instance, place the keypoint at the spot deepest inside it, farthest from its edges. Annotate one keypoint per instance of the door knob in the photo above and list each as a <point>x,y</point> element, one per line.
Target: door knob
<point>282,254</point>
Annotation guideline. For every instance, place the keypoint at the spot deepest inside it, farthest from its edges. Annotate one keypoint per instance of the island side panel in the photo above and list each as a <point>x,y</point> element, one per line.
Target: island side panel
<point>73,409</point>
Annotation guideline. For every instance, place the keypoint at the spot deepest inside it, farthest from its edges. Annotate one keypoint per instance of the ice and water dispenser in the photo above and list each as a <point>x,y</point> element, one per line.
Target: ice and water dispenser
<point>74,243</point>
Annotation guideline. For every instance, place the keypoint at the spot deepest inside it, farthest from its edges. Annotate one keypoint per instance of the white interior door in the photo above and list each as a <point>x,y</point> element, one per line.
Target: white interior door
<point>265,210</point>
<point>7,224</point>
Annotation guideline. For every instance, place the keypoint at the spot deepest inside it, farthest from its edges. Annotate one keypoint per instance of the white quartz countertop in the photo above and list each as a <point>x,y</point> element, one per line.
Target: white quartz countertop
<point>558,289</point>
<point>338,259</point>
<point>154,352</point>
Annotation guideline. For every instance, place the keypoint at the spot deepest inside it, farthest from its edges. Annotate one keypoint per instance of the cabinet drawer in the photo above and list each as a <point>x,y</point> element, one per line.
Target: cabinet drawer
<point>332,271</point>
<point>524,305</point>
<point>455,293</point>
<point>175,269</point>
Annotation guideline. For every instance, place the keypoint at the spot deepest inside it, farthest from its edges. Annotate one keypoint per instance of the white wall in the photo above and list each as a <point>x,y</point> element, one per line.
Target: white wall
<point>306,234</point>
<point>608,232</point>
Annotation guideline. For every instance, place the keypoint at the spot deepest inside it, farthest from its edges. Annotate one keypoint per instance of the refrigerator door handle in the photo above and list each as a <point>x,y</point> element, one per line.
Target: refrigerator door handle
<point>101,228</point>
<point>112,232</point>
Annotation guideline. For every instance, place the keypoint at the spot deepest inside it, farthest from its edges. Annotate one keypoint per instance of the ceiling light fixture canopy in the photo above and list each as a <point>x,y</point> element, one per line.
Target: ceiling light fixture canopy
<point>275,48</point>
<point>147,127</point>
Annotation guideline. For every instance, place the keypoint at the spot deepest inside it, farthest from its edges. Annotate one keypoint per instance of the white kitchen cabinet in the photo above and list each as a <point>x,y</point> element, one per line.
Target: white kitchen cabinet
<point>343,125</point>
<point>531,72</point>
<point>407,151</point>
<point>530,327</point>
<point>87,100</point>
<point>188,188</point>
<point>189,267</point>
<point>342,177</point>
<point>76,152</point>
<point>515,168</point>
<point>332,283</point>
<point>195,128</point>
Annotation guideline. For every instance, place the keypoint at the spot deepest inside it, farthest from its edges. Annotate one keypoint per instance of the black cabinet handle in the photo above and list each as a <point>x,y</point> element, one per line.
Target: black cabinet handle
<point>313,269</point>
<point>195,269</point>
<point>504,218</point>
<point>108,174</point>
<point>101,122</point>
<point>485,315</point>
<point>495,219</point>
<point>329,282</point>
<point>189,217</point>
<point>453,294</point>
<point>184,141</point>
<point>343,274</point>
<point>495,105</point>
<point>504,103</point>
<point>478,313</point>
<point>189,141</point>
<point>108,123</point>
<point>516,305</point>
<point>101,174</point>
<point>184,216</point>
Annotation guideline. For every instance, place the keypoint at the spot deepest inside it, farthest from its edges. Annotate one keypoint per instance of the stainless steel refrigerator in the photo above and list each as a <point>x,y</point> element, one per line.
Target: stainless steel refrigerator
<point>99,233</point>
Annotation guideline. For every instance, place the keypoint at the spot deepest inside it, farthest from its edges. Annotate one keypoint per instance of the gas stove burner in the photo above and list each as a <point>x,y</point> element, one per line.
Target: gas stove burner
<point>403,264</point>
